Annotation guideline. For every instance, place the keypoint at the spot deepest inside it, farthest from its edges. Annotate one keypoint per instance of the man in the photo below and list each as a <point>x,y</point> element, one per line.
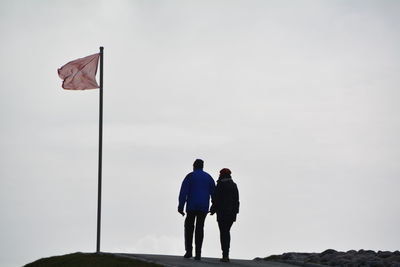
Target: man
<point>196,189</point>
<point>225,203</point>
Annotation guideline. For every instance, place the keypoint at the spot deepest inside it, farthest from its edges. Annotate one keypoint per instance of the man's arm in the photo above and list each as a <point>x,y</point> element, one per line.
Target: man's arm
<point>183,194</point>
<point>212,186</point>
<point>214,200</point>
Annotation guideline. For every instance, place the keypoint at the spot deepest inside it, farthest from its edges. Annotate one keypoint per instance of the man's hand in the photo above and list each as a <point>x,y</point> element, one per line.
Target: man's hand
<point>181,212</point>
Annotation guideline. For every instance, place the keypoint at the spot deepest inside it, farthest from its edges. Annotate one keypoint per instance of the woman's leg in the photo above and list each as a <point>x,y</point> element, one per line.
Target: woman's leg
<point>225,236</point>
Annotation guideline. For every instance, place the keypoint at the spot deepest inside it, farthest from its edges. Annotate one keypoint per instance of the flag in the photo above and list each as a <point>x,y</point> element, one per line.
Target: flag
<point>80,74</point>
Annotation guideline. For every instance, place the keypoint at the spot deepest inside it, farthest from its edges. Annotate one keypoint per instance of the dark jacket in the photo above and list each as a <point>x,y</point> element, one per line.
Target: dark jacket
<point>196,190</point>
<point>225,201</point>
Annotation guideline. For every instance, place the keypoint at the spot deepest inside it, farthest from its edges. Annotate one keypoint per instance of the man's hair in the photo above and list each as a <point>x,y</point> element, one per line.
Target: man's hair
<point>198,164</point>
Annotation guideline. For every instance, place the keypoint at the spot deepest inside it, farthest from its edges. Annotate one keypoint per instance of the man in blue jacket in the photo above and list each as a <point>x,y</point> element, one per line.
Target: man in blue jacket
<point>196,190</point>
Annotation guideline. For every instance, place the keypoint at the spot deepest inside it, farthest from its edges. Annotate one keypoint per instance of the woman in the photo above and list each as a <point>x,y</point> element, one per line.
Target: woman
<point>225,202</point>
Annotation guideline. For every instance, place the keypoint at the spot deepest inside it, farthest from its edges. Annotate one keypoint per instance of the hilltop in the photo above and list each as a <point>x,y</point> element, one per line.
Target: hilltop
<point>80,259</point>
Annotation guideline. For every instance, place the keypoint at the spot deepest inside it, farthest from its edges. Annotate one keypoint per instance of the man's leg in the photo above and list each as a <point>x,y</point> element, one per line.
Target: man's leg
<point>199,235</point>
<point>189,228</point>
<point>225,236</point>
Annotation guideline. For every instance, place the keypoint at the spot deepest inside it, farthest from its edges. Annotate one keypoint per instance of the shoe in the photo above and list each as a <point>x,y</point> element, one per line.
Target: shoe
<point>224,259</point>
<point>197,258</point>
<point>187,255</point>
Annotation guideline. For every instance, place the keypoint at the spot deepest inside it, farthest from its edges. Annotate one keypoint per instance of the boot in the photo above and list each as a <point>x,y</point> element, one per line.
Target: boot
<point>224,259</point>
<point>188,255</point>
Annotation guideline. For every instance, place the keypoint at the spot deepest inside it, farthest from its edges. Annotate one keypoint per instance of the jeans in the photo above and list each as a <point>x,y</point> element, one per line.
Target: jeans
<point>191,217</point>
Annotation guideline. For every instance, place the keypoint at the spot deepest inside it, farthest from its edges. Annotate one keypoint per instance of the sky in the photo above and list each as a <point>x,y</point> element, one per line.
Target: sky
<point>298,98</point>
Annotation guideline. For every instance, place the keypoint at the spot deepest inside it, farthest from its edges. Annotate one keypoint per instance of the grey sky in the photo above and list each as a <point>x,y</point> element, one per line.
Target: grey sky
<point>298,98</point>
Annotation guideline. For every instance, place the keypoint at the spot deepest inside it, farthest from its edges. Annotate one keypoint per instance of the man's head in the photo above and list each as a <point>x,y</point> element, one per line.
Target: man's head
<point>198,164</point>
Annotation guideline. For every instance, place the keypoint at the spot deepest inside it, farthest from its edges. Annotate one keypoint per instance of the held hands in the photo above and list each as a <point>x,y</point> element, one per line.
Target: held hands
<point>181,212</point>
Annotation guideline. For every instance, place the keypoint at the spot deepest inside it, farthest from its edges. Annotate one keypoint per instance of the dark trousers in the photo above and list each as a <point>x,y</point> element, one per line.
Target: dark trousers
<point>191,217</point>
<point>225,235</point>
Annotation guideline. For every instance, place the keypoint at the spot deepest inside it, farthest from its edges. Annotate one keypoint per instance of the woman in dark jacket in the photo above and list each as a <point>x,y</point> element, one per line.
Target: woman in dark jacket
<point>225,202</point>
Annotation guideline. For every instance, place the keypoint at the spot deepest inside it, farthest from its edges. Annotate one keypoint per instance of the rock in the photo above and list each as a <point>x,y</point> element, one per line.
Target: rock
<point>370,252</point>
<point>351,258</point>
<point>287,256</point>
<point>313,258</point>
<point>384,254</point>
<point>272,258</point>
<point>376,263</point>
<point>328,252</point>
<point>340,262</point>
<point>351,251</point>
<point>394,258</point>
<point>366,252</point>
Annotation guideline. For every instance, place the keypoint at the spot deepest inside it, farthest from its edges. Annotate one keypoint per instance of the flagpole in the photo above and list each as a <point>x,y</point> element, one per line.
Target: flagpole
<point>100,151</point>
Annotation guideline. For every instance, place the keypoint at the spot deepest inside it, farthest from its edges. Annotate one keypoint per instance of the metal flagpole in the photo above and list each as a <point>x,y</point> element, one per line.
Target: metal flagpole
<point>100,151</point>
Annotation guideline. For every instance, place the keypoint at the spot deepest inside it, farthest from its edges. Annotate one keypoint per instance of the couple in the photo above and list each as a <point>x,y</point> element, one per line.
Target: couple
<point>196,190</point>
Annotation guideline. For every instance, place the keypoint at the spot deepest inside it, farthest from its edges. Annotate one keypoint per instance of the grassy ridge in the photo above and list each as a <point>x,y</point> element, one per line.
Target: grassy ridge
<point>89,259</point>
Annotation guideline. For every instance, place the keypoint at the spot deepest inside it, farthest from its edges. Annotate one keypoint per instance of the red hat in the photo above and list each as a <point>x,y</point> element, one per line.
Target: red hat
<point>225,172</point>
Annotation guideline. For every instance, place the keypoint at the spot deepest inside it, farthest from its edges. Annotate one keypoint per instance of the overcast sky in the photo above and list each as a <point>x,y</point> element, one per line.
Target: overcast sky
<point>300,99</point>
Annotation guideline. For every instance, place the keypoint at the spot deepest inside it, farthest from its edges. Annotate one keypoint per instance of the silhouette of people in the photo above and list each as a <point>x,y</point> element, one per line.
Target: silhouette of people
<point>196,190</point>
<point>225,202</point>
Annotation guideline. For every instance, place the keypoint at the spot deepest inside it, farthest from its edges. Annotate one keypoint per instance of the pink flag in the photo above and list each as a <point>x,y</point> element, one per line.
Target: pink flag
<point>80,74</point>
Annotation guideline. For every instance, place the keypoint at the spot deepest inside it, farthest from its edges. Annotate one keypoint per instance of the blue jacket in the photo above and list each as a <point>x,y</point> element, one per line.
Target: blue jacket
<point>196,189</point>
